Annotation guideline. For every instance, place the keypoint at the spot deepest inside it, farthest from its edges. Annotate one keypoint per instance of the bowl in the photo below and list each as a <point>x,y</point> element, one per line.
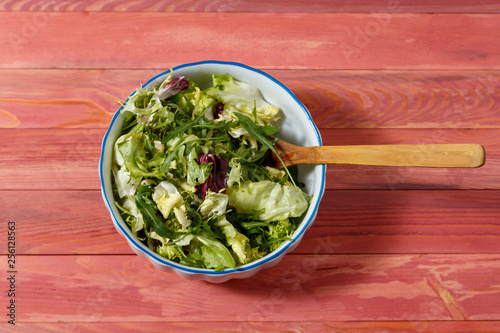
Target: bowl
<point>297,127</point>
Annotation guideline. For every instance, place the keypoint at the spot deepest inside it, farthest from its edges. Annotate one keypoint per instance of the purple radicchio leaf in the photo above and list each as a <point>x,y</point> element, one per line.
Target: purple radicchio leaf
<point>143,119</point>
<point>219,108</point>
<point>174,87</point>
<point>217,180</point>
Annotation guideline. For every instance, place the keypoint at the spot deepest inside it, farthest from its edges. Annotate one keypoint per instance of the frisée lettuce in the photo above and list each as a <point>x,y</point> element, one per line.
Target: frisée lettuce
<point>190,175</point>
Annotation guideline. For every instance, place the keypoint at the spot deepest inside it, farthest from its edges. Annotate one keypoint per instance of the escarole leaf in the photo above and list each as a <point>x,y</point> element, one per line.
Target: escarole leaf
<point>151,220</point>
<point>258,134</point>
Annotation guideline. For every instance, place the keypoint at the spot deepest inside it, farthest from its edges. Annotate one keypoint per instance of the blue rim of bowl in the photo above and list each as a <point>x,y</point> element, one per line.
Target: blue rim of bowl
<point>193,270</point>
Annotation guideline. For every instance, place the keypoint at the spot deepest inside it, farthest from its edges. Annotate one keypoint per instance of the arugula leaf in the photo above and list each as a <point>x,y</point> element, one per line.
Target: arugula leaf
<point>184,128</point>
<point>151,220</point>
<point>258,134</point>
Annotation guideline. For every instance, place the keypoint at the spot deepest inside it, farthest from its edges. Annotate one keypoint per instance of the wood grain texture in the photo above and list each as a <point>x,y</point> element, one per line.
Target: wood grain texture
<point>368,177</point>
<point>50,159</point>
<point>67,159</point>
<point>263,40</point>
<point>322,6</point>
<point>65,98</point>
<point>464,155</point>
<point>398,99</point>
<point>336,99</point>
<point>61,222</point>
<point>392,249</point>
<point>456,326</point>
<point>75,222</point>
<point>316,288</point>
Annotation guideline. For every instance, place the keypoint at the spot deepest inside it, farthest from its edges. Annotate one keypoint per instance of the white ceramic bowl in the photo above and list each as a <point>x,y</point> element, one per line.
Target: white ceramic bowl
<point>297,127</point>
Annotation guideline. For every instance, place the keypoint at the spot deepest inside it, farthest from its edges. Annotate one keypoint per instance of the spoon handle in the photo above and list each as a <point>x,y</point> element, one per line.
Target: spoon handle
<point>426,155</point>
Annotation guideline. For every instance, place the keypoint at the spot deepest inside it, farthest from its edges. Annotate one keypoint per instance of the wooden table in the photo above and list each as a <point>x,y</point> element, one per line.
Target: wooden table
<point>392,249</point>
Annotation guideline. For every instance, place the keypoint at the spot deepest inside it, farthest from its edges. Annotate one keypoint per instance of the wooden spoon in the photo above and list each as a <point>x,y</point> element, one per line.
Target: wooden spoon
<point>408,155</point>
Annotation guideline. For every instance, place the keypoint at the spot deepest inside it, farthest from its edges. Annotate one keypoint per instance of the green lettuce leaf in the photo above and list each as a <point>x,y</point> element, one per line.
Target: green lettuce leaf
<point>215,205</point>
<point>215,254</point>
<point>199,100</point>
<point>239,243</point>
<point>166,198</point>
<point>170,251</point>
<point>272,201</point>
<point>135,157</point>
<point>279,232</point>
<point>196,173</point>
<point>242,97</point>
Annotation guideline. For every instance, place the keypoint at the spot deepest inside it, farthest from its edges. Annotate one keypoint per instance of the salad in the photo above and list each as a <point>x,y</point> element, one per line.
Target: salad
<point>190,176</point>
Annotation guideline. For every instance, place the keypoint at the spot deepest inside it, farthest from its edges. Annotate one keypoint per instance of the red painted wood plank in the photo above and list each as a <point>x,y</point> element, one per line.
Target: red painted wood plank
<point>65,98</point>
<point>61,222</point>
<point>402,240</point>
<point>407,209</point>
<point>336,99</point>
<point>398,99</point>
<point>51,159</point>
<point>406,222</point>
<point>316,6</point>
<point>264,40</point>
<point>68,289</point>
<point>77,222</point>
<point>260,326</point>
